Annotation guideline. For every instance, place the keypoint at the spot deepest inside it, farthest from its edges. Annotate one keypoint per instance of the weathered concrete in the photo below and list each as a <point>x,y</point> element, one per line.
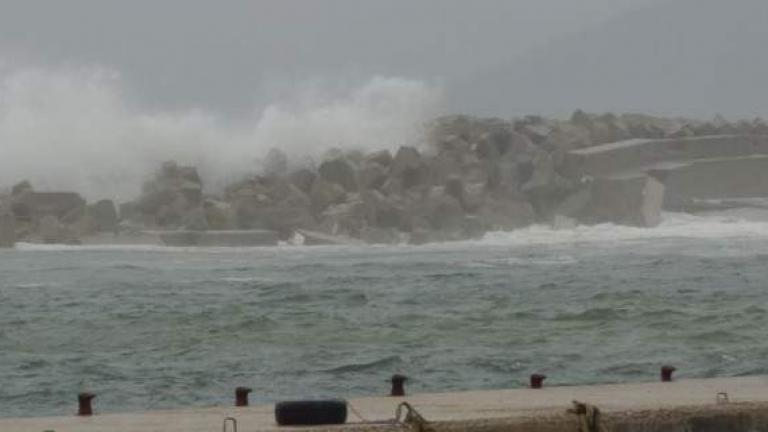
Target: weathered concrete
<point>314,238</point>
<point>65,206</point>
<point>7,229</point>
<point>726,178</point>
<point>638,155</point>
<point>635,201</point>
<point>235,238</point>
<point>684,406</point>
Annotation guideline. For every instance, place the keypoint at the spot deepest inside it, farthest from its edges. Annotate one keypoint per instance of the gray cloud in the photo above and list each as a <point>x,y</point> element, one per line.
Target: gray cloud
<point>229,55</point>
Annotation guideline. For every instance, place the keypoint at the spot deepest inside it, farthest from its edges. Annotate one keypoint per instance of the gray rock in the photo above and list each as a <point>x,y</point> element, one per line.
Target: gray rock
<point>409,168</point>
<point>373,176</point>
<point>219,215</point>
<point>170,194</point>
<point>103,216</point>
<point>444,212</point>
<point>341,172</point>
<point>21,188</point>
<point>384,212</point>
<point>275,163</point>
<point>382,157</point>
<point>303,179</point>
<point>347,219</point>
<point>324,194</point>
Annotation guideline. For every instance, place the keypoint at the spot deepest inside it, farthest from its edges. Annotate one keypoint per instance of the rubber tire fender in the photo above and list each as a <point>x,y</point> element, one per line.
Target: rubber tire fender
<point>311,413</point>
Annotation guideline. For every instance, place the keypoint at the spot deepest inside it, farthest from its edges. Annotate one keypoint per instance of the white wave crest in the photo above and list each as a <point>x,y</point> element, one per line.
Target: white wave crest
<point>75,129</point>
<point>673,226</point>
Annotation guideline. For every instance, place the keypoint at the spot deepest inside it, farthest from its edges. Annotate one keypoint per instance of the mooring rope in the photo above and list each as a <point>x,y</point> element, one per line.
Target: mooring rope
<point>406,418</point>
<point>412,419</point>
<point>589,417</point>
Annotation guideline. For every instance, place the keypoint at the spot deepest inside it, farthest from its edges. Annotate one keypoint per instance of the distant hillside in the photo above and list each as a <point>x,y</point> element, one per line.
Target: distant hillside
<point>676,57</point>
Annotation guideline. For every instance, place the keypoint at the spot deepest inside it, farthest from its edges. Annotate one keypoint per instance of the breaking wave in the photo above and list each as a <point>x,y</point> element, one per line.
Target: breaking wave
<point>76,129</point>
<point>674,226</point>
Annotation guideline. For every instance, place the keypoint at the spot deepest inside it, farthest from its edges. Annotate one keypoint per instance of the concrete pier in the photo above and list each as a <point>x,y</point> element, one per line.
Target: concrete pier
<point>722,405</point>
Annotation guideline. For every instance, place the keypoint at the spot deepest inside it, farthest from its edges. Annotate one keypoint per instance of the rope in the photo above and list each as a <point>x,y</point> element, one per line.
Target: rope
<point>412,420</point>
<point>589,417</point>
<point>406,417</point>
<point>357,413</point>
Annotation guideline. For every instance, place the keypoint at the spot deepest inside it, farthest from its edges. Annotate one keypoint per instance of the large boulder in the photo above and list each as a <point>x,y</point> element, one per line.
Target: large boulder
<point>385,212</point>
<point>409,168</point>
<point>173,192</point>
<point>102,216</point>
<point>283,218</point>
<point>546,187</point>
<point>373,175</point>
<point>275,163</point>
<point>324,194</point>
<point>381,157</point>
<point>341,172</point>
<point>442,211</point>
<point>21,188</point>
<point>303,179</point>
<point>345,219</point>
<point>219,215</point>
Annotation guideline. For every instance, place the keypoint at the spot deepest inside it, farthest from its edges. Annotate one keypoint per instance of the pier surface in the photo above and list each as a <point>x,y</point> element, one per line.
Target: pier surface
<point>690,404</point>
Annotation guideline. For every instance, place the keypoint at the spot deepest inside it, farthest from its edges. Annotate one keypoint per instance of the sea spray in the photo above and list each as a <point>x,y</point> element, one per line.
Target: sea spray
<point>77,129</point>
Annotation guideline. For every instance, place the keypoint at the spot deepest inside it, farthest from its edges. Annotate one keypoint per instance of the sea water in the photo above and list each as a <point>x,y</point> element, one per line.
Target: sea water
<point>150,327</point>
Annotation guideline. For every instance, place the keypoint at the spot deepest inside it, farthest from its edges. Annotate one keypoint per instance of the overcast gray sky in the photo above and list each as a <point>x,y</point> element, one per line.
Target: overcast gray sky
<point>306,76</point>
<point>229,55</point>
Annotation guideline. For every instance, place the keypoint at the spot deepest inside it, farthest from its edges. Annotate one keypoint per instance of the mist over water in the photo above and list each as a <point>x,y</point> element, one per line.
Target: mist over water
<point>77,129</point>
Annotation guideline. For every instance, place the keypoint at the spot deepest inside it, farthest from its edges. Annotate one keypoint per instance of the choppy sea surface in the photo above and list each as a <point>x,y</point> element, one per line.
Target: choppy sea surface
<point>154,328</point>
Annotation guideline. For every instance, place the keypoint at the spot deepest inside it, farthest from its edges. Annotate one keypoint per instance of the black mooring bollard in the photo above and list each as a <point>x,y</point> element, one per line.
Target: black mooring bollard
<point>84,404</point>
<point>537,381</point>
<point>398,385</point>
<point>241,396</point>
<point>666,373</point>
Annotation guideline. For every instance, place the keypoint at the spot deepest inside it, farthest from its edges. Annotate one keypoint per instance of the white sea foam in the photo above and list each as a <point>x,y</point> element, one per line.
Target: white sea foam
<point>76,129</point>
<point>674,226</point>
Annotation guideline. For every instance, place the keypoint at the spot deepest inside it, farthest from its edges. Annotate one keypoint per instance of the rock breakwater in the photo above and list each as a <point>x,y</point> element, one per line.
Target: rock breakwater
<point>472,176</point>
